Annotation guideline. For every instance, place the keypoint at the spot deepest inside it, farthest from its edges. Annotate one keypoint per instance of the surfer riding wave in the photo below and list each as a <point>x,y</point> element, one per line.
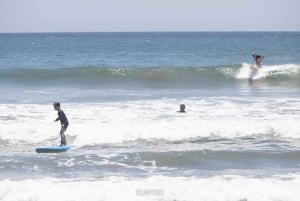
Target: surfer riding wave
<point>254,69</point>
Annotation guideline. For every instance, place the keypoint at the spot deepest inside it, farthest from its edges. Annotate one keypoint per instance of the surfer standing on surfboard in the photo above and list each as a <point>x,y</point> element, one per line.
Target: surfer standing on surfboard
<point>258,59</point>
<point>254,69</point>
<point>63,121</point>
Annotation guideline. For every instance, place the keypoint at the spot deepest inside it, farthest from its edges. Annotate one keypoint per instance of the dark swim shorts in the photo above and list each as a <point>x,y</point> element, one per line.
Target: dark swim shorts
<point>66,126</point>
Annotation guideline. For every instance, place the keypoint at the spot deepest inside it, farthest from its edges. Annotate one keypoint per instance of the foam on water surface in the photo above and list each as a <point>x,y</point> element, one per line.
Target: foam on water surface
<point>230,188</point>
<point>117,122</point>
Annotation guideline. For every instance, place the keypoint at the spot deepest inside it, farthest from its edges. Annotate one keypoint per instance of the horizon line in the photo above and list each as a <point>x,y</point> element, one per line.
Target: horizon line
<point>260,31</point>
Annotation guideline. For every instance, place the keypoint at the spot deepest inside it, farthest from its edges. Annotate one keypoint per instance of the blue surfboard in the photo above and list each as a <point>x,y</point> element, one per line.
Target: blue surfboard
<point>53,149</point>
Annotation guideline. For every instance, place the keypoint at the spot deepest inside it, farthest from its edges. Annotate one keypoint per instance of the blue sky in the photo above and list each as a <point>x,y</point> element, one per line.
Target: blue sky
<point>148,15</point>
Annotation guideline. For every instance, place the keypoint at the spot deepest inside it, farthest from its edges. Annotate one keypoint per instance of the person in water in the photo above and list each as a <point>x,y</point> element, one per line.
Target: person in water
<point>254,69</point>
<point>182,108</point>
<point>258,59</point>
<point>63,121</point>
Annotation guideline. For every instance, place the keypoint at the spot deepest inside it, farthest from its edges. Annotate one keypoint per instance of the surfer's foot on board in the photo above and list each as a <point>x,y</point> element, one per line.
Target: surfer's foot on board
<point>63,144</point>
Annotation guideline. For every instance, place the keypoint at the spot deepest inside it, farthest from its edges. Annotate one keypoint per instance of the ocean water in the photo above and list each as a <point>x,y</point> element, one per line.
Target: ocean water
<point>238,141</point>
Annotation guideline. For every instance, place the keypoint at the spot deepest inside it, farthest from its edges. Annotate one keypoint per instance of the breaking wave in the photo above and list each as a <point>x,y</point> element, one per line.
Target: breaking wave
<point>287,74</point>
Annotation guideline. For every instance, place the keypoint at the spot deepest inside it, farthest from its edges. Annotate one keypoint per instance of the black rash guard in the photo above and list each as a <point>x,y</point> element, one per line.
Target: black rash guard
<point>63,119</point>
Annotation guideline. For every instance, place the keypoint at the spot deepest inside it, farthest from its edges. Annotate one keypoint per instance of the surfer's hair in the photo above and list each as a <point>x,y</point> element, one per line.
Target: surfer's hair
<point>256,56</point>
<point>56,104</point>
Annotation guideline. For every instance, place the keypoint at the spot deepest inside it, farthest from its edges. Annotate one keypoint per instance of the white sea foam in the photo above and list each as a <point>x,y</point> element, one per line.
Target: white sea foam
<point>219,188</point>
<point>124,121</point>
<point>267,71</point>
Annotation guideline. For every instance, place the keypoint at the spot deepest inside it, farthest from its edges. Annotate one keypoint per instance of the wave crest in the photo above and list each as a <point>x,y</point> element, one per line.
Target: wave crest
<point>191,77</point>
<point>270,72</point>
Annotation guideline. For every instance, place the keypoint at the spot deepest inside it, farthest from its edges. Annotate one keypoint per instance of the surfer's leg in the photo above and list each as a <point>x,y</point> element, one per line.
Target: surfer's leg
<point>65,128</point>
<point>62,137</point>
<point>250,81</point>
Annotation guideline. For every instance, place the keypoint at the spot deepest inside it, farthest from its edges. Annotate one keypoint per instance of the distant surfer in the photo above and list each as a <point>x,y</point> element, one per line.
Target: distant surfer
<point>63,121</point>
<point>182,108</point>
<point>254,69</point>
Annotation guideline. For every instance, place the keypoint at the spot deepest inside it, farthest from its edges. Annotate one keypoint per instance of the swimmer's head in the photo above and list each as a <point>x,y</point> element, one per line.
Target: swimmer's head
<point>182,108</point>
